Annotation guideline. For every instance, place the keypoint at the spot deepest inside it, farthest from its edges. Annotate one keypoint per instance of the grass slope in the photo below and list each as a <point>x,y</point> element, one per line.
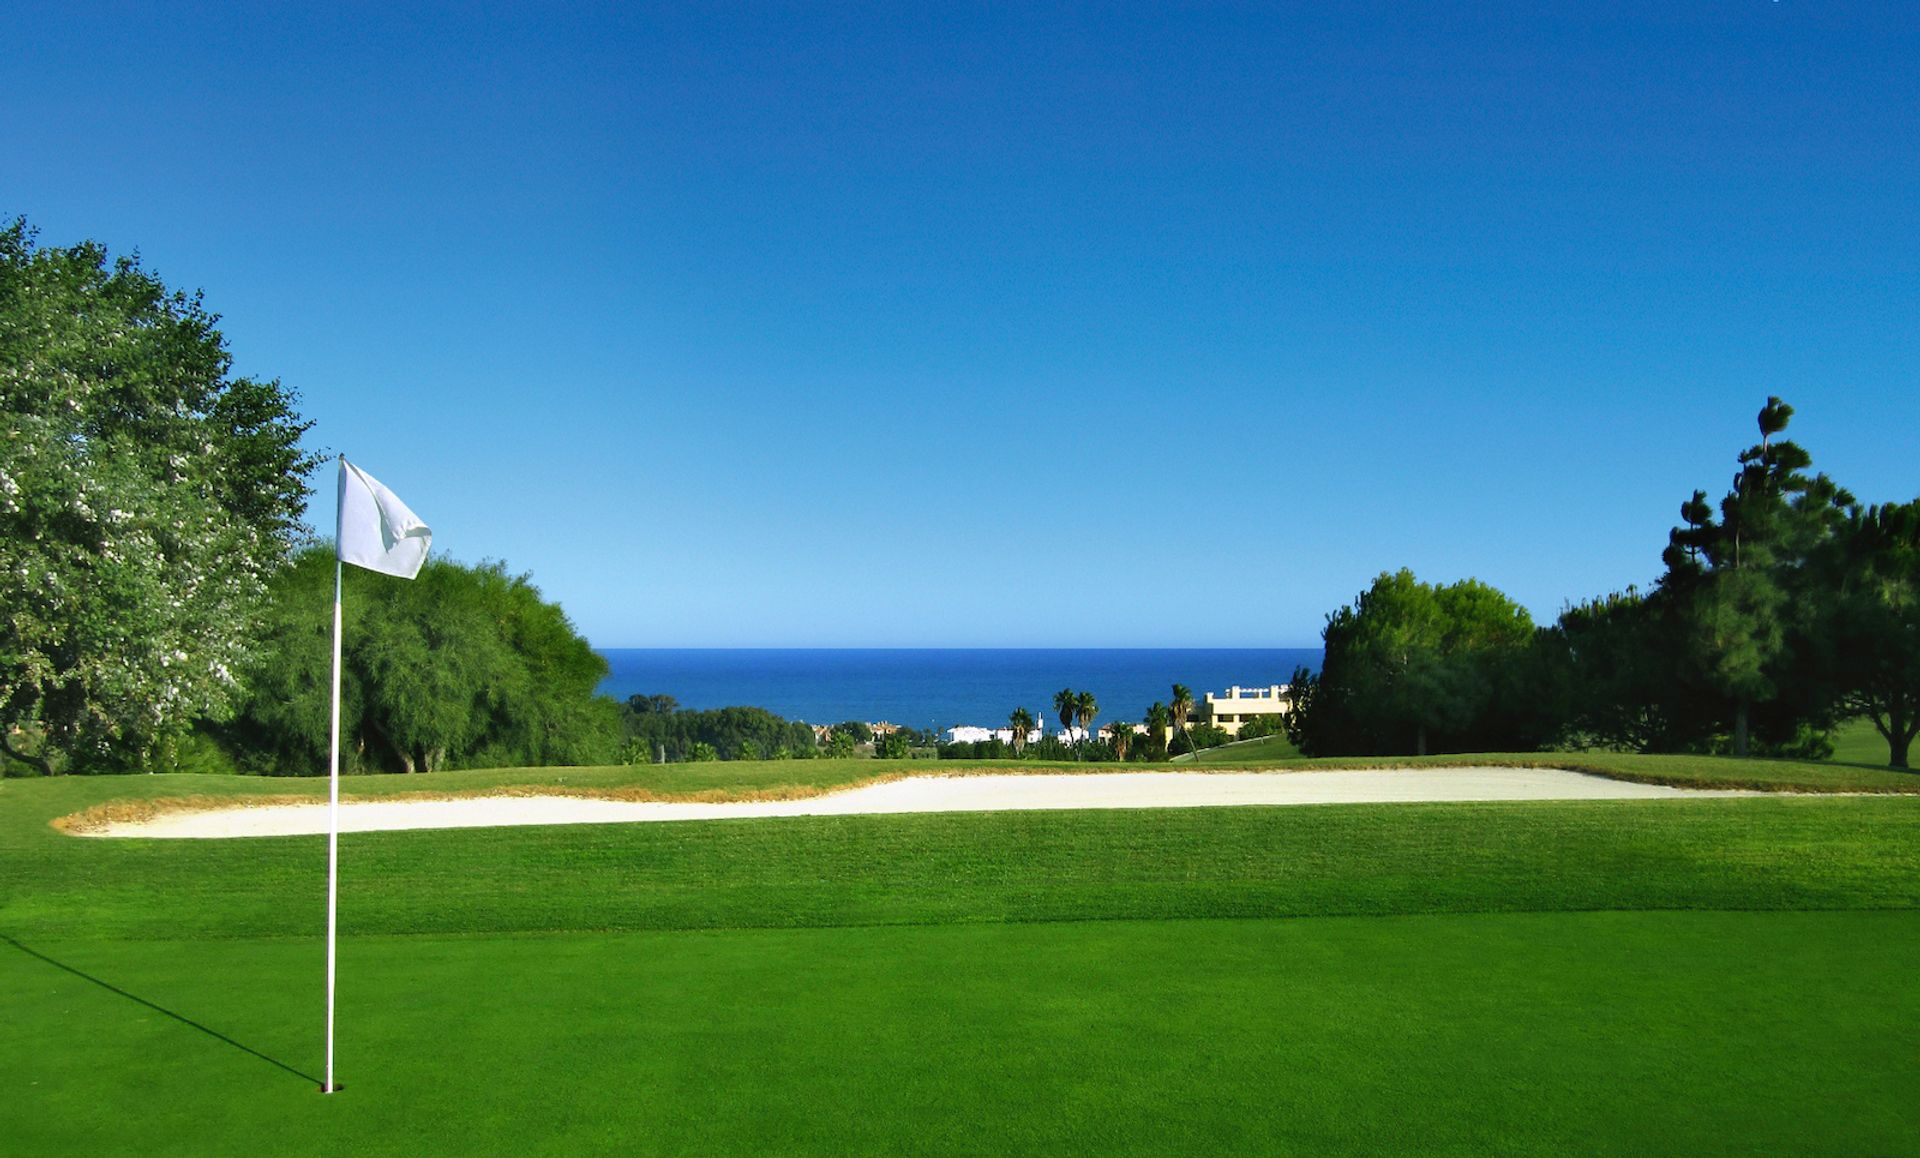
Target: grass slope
<point>1614,977</point>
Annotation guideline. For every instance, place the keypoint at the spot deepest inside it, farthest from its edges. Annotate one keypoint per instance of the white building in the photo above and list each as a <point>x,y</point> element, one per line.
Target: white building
<point>1239,706</point>
<point>967,734</point>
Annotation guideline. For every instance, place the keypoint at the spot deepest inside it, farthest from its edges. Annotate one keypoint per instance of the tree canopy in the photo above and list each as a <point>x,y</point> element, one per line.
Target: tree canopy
<point>464,666</point>
<point>1871,568</point>
<point>1411,667</point>
<point>147,496</point>
<point>737,733</point>
<point>1781,610</point>
<point>1740,580</point>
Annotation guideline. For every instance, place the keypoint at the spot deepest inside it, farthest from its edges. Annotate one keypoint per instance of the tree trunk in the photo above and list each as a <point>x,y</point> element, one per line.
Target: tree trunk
<point>1421,748</point>
<point>1741,711</point>
<point>39,762</point>
<point>1899,731</point>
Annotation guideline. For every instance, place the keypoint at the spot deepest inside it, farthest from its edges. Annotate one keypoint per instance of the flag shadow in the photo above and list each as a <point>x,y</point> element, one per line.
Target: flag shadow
<point>160,1009</point>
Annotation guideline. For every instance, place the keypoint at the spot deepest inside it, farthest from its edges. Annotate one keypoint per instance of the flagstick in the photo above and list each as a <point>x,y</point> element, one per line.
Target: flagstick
<point>333,827</point>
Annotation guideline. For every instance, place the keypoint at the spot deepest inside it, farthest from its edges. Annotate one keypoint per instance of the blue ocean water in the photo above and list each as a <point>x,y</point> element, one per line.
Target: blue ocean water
<point>937,688</point>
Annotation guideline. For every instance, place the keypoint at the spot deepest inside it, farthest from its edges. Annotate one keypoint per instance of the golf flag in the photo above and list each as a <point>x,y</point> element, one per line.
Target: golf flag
<point>377,531</point>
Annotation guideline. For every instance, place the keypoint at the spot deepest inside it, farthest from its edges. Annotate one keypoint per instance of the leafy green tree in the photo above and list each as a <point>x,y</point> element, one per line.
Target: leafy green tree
<point>1120,736</point>
<point>1020,723</point>
<point>1872,569</point>
<point>702,752</point>
<point>462,667</point>
<point>895,746</point>
<point>1305,711</point>
<point>1614,678</point>
<point>1408,663</point>
<point>147,496</point>
<point>1267,724</point>
<point>1204,736</point>
<point>840,744</point>
<point>1050,748</point>
<point>736,733</point>
<point>860,732</point>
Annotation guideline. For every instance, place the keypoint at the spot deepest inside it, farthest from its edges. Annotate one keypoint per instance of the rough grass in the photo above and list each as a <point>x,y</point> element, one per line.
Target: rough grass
<point>124,799</point>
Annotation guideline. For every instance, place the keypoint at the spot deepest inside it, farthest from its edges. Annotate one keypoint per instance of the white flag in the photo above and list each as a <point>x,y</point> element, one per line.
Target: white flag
<point>377,531</point>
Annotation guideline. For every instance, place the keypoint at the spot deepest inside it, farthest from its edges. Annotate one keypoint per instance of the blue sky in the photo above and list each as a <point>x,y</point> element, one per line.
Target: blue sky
<point>1003,325</point>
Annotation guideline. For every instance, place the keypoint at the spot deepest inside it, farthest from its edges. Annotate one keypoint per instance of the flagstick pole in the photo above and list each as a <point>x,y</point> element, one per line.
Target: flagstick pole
<point>333,826</point>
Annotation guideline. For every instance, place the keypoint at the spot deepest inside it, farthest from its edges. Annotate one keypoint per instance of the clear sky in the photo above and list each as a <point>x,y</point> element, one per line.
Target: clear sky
<point>1004,325</point>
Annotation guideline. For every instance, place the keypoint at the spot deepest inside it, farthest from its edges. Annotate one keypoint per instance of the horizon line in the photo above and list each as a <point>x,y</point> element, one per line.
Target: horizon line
<point>952,647</point>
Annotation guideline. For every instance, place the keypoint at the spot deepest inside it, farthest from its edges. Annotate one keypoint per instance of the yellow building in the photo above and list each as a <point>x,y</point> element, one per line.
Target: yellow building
<point>1239,706</point>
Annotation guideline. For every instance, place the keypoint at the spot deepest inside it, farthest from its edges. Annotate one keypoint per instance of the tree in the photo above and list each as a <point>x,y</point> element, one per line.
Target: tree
<point>1303,696</point>
<point>735,733</point>
<point>1120,735</point>
<point>1872,570</point>
<point>1736,579</point>
<point>462,667</point>
<point>1181,707</point>
<point>858,731</point>
<point>895,746</point>
<point>1204,736</point>
<point>1158,718</point>
<point>1085,710</point>
<point>1409,664</point>
<point>1615,679</point>
<point>1064,703</point>
<point>146,498</point>
<point>1020,723</point>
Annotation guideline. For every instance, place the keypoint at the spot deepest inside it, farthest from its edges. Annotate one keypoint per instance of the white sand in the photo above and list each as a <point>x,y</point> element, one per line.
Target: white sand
<point>932,794</point>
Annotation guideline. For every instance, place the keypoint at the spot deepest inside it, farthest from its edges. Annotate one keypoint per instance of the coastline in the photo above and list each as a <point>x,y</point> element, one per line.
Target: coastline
<point>933,689</point>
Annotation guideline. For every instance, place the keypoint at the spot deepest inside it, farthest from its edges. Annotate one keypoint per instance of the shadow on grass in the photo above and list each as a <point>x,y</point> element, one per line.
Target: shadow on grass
<point>161,1009</point>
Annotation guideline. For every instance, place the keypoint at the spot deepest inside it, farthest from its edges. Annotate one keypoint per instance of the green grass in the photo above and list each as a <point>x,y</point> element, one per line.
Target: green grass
<point>1264,750</point>
<point>1603,1032</point>
<point>1859,742</point>
<point>1616,976</point>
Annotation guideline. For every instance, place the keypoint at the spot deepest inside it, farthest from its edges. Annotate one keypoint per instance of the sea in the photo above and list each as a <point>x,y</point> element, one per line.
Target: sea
<point>938,688</point>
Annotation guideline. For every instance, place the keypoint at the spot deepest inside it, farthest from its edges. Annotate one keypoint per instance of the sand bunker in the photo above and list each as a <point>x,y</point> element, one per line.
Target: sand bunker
<point>930,794</point>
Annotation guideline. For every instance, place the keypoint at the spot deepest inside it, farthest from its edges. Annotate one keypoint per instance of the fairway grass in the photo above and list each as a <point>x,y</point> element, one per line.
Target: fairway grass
<point>1707,975</point>
<point>1625,1033</point>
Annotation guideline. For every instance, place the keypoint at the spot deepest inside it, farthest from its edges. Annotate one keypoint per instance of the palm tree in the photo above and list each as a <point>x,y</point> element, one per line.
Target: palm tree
<point>1122,738</point>
<point>1063,707</point>
<point>1182,707</point>
<point>1158,717</point>
<point>1021,722</point>
<point>1085,708</point>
